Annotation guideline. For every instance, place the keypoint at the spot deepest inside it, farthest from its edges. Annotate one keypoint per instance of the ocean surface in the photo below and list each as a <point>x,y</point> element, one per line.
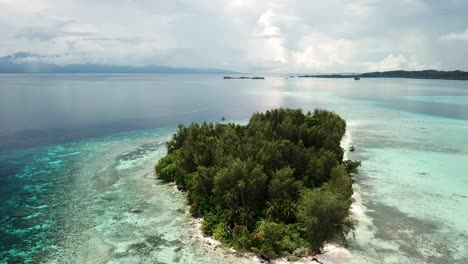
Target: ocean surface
<point>77,154</point>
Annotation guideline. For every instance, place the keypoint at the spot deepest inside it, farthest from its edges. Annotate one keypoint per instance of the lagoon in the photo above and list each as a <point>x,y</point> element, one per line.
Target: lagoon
<point>77,154</point>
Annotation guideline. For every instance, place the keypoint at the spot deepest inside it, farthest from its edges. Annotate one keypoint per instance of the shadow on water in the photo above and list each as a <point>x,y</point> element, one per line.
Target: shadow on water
<point>424,240</point>
<point>405,237</point>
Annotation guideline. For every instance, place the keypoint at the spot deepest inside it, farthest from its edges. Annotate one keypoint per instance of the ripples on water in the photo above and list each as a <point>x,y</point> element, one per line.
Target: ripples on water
<point>66,197</point>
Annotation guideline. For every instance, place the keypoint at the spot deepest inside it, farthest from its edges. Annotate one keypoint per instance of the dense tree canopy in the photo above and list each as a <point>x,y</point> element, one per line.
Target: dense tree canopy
<point>272,186</point>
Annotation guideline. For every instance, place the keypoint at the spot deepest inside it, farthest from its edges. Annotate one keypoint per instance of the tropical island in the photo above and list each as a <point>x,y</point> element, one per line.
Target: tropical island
<point>425,74</point>
<point>277,186</point>
<point>244,78</point>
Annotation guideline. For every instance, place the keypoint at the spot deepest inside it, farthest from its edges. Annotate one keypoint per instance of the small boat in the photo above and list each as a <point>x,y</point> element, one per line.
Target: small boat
<point>357,78</point>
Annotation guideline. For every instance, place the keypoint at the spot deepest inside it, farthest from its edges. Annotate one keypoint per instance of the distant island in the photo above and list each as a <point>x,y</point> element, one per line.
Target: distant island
<point>243,77</point>
<point>277,186</point>
<point>425,74</point>
<point>24,62</point>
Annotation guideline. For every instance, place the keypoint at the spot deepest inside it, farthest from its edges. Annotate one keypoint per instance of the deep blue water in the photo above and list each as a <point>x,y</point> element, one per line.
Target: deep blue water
<point>42,109</point>
<point>72,147</point>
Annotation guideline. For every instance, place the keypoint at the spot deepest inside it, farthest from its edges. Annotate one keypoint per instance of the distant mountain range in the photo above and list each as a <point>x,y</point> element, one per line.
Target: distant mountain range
<point>24,62</point>
<point>425,74</point>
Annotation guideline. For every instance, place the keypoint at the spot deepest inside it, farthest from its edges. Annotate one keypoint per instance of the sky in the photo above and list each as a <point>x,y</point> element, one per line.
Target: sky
<point>293,36</point>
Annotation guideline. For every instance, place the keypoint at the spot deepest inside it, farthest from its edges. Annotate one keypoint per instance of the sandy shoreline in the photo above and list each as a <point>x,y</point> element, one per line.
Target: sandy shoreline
<point>333,254</point>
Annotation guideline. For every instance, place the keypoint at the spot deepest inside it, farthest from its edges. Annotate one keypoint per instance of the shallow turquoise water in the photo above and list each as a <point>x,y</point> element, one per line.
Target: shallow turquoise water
<point>75,166</point>
<point>100,204</point>
<point>414,185</point>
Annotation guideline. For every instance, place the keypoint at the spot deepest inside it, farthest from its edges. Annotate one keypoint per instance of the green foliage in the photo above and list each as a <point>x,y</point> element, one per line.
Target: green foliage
<point>201,190</point>
<point>351,166</point>
<point>220,233</point>
<point>166,168</point>
<point>340,183</point>
<point>209,223</point>
<point>241,238</point>
<point>272,186</point>
<point>324,216</point>
<point>275,239</point>
<point>283,192</point>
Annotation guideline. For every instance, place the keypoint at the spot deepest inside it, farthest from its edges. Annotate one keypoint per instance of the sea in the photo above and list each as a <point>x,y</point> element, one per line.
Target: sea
<point>77,154</point>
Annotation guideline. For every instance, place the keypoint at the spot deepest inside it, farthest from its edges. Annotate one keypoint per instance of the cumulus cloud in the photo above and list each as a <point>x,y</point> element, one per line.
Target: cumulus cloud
<point>397,62</point>
<point>321,53</point>
<point>456,36</point>
<point>243,35</point>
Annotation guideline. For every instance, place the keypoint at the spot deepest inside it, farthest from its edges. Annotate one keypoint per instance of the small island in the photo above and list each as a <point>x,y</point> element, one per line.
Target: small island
<point>425,74</point>
<point>277,186</point>
<point>243,78</point>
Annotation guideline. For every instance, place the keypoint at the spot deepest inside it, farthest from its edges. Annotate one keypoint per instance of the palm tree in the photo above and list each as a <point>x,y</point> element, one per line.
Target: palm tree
<point>272,210</point>
<point>241,186</point>
<point>289,212</point>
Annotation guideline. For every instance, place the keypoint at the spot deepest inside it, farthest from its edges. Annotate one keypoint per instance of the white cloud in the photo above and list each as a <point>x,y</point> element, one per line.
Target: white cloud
<point>244,35</point>
<point>456,36</point>
<point>397,62</point>
<point>240,3</point>
<point>321,53</point>
<point>267,28</point>
<point>267,47</point>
